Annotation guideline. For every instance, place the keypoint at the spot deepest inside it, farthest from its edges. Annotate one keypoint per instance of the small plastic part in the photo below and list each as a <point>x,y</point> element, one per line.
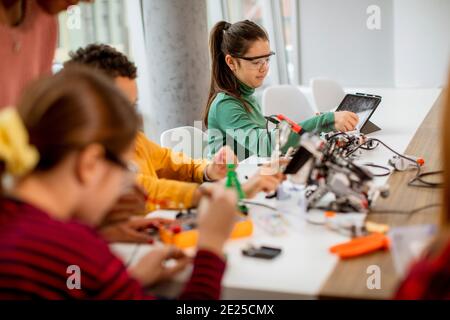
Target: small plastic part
<point>176,229</point>
<point>376,227</point>
<point>188,238</point>
<point>330,214</point>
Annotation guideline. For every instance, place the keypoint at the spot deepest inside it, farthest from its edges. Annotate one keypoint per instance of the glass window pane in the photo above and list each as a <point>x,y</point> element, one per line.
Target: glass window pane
<point>246,9</point>
<point>287,7</point>
<point>103,21</point>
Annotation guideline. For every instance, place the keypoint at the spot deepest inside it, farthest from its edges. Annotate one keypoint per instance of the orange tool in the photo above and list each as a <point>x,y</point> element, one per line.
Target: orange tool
<point>361,245</point>
<point>294,126</point>
<point>188,238</point>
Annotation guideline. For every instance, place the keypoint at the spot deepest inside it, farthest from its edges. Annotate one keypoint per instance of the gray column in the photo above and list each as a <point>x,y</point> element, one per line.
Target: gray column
<point>176,35</point>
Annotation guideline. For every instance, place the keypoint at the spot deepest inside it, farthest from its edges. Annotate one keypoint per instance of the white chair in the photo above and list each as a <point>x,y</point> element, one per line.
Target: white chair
<point>327,94</point>
<point>189,140</point>
<point>287,100</point>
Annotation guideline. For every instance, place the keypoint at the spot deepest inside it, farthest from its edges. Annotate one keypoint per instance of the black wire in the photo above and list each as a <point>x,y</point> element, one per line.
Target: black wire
<point>410,212</point>
<point>370,148</point>
<point>133,255</point>
<point>315,223</point>
<point>373,165</point>
<point>338,134</point>
<point>425,184</point>
<point>392,211</point>
<point>372,211</point>
<point>382,143</point>
<point>258,204</point>
<point>403,212</point>
<point>418,176</point>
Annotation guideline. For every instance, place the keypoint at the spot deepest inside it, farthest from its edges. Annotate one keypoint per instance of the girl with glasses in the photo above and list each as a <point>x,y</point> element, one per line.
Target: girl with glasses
<point>240,55</point>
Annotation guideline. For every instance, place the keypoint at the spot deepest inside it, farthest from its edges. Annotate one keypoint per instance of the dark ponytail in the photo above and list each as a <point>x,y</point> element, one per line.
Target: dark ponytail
<point>235,40</point>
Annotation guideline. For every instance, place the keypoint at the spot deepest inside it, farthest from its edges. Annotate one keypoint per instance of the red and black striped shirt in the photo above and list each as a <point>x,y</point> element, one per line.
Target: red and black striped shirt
<point>36,252</point>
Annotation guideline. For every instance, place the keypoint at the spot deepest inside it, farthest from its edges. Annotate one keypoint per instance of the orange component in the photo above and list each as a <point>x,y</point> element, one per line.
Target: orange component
<point>242,229</point>
<point>420,161</point>
<point>189,238</point>
<point>181,240</point>
<point>361,245</point>
<point>330,214</point>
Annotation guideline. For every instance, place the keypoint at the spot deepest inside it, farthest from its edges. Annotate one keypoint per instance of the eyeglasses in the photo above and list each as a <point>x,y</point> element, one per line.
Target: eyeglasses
<point>128,166</point>
<point>257,63</point>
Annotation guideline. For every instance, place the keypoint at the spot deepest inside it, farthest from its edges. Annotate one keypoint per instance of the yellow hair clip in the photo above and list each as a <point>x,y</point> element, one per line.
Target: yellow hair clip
<point>15,151</point>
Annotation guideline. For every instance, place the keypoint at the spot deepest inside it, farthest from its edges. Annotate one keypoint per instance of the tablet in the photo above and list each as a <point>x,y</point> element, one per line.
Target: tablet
<point>364,105</point>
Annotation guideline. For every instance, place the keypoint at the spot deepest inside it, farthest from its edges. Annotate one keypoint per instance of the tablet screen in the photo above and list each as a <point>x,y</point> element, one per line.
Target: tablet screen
<point>362,105</point>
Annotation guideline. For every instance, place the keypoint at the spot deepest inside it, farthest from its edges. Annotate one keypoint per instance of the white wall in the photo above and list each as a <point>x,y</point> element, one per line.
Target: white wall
<point>422,42</point>
<point>412,48</point>
<point>335,42</point>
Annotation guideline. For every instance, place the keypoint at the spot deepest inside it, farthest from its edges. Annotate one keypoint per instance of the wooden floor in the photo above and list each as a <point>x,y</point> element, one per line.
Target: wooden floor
<point>348,280</point>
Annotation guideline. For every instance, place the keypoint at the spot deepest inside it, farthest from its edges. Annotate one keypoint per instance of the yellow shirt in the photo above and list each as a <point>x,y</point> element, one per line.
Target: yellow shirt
<point>168,177</point>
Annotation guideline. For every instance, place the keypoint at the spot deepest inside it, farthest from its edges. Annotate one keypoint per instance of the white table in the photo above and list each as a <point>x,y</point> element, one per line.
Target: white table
<point>305,263</point>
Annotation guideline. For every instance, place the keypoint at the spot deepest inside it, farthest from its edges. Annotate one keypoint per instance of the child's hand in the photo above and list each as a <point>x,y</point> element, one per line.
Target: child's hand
<point>345,121</point>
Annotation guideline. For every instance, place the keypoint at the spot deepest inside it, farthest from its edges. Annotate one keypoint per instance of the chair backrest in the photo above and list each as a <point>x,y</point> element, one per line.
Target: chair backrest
<point>327,94</point>
<point>189,140</point>
<point>287,100</point>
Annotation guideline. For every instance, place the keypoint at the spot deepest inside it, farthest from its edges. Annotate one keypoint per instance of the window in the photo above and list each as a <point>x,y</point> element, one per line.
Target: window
<point>106,21</point>
<point>289,25</point>
<point>246,9</point>
<point>103,21</point>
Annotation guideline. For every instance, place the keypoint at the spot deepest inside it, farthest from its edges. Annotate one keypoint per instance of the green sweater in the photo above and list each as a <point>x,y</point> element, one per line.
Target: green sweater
<point>230,124</point>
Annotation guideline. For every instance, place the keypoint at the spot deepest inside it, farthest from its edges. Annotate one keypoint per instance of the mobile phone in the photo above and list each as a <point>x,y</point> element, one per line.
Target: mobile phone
<point>262,252</point>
